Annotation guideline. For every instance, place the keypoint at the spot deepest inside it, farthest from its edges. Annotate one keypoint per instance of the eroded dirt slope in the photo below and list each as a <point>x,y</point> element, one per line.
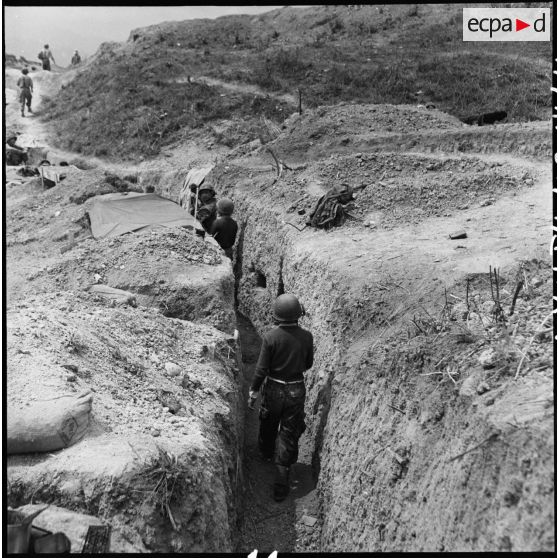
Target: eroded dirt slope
<point>160,461</point>
<point>403,384</point>
<point>409,400</point>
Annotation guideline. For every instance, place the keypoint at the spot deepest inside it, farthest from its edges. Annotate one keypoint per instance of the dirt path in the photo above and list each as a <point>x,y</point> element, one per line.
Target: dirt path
<point>243,88</point>
<point>267,525</point>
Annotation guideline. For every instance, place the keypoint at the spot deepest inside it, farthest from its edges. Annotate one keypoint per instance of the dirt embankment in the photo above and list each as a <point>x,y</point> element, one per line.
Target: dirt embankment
<point>417,407</point>
<point>161,459</point>
<point>159,445</point>
<point>349,128</point>
<point>422,403</point>
<point>162,387</point>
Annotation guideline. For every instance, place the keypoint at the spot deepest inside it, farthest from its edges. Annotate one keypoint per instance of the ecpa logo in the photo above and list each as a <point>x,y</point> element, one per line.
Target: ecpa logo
<point>506,24</point>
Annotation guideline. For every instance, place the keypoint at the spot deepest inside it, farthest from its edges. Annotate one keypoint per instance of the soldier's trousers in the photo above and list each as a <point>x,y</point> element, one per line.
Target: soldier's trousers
<point>25,98</point>
<point>281,421</point>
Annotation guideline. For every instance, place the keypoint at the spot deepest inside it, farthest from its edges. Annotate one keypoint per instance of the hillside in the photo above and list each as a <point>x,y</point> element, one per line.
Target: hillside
<point>150,89</point>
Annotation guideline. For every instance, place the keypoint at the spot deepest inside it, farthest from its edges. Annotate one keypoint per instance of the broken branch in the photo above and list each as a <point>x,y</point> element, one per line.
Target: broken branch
<point>493,435</point>
<point>396,408</point>
<point>515,295</point>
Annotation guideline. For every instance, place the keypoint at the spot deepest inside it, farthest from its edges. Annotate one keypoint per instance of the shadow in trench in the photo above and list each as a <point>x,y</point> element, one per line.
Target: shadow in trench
<point>265,525</point>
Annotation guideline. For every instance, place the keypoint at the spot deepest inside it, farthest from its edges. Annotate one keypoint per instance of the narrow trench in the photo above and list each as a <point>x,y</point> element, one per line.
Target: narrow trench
<point>264,524</point>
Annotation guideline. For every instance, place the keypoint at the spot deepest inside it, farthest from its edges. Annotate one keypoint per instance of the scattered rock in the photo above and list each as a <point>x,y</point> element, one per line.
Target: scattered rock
<point>470,385</point>
<point>169,401</point>
<point>488,358</point>
<point>483,387</point>
<point>172,369</point>
<point>308,520</point>
<point>155,432</point>
<point>459,311</point>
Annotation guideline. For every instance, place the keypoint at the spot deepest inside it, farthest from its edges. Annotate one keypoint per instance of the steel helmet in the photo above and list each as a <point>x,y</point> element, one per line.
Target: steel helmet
<point>287,308</point>
<point>225,206</point>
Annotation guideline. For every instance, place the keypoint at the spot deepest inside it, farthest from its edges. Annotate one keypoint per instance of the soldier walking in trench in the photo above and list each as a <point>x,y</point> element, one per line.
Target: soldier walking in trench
<point>286,352</point>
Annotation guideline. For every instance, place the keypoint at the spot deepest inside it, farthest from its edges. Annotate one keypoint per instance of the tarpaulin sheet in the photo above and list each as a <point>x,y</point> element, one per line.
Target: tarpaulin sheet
<point>116,214</point>
<point>194,178</point>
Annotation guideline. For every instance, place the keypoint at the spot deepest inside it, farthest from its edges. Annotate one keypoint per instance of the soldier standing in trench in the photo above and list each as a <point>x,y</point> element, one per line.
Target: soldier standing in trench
<point>203,205</point>
<point>224,228</point>
<point>286,352</point>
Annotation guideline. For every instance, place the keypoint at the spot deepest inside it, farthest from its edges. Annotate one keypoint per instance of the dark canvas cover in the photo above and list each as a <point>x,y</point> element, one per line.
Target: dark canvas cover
<point>115,214</point>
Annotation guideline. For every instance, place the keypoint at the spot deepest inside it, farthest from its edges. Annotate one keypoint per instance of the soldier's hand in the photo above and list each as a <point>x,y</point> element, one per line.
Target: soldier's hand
<point>252,396</point>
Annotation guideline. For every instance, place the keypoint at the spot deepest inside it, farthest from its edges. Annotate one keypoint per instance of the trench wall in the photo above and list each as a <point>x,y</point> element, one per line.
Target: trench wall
<point>385,442</point>
<point>382,438</point>
<point>117,472</point>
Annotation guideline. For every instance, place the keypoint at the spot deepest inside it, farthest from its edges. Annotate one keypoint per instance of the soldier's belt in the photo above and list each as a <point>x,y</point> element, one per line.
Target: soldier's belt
<point>283,381</point>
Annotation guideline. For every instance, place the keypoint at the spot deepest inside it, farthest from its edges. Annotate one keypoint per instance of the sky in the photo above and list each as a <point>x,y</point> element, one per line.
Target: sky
<point>67,28</point>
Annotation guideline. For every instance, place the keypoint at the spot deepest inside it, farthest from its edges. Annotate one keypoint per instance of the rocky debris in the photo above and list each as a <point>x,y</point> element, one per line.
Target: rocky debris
<point>308,520</point>
<point>169,401</point>
<point>470,386</point>
<point>488,358</point>
<point>117,342</point>
<point>172,369</point>
<point>399,187</point>
<point>136,401</point>
<point>119,296</point>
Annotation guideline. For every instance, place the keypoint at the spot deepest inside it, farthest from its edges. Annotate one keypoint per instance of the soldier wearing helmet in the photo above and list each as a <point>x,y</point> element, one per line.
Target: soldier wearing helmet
<point>15,154</point>
<point>224,228</point>
<point>203,204</point>
<point>286,352</point>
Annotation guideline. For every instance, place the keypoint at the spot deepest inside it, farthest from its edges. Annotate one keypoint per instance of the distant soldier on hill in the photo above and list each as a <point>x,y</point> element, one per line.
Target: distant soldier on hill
<point>76,58</point>
<point>224,228</point>
<point>25,84</point>
<point>45,56</point>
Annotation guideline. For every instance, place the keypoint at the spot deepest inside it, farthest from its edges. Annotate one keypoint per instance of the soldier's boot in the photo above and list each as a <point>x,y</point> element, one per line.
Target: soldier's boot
<point>281,484</point>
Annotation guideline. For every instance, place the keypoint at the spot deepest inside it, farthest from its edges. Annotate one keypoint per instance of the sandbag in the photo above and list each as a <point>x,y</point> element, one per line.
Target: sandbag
<point>49,425</point>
